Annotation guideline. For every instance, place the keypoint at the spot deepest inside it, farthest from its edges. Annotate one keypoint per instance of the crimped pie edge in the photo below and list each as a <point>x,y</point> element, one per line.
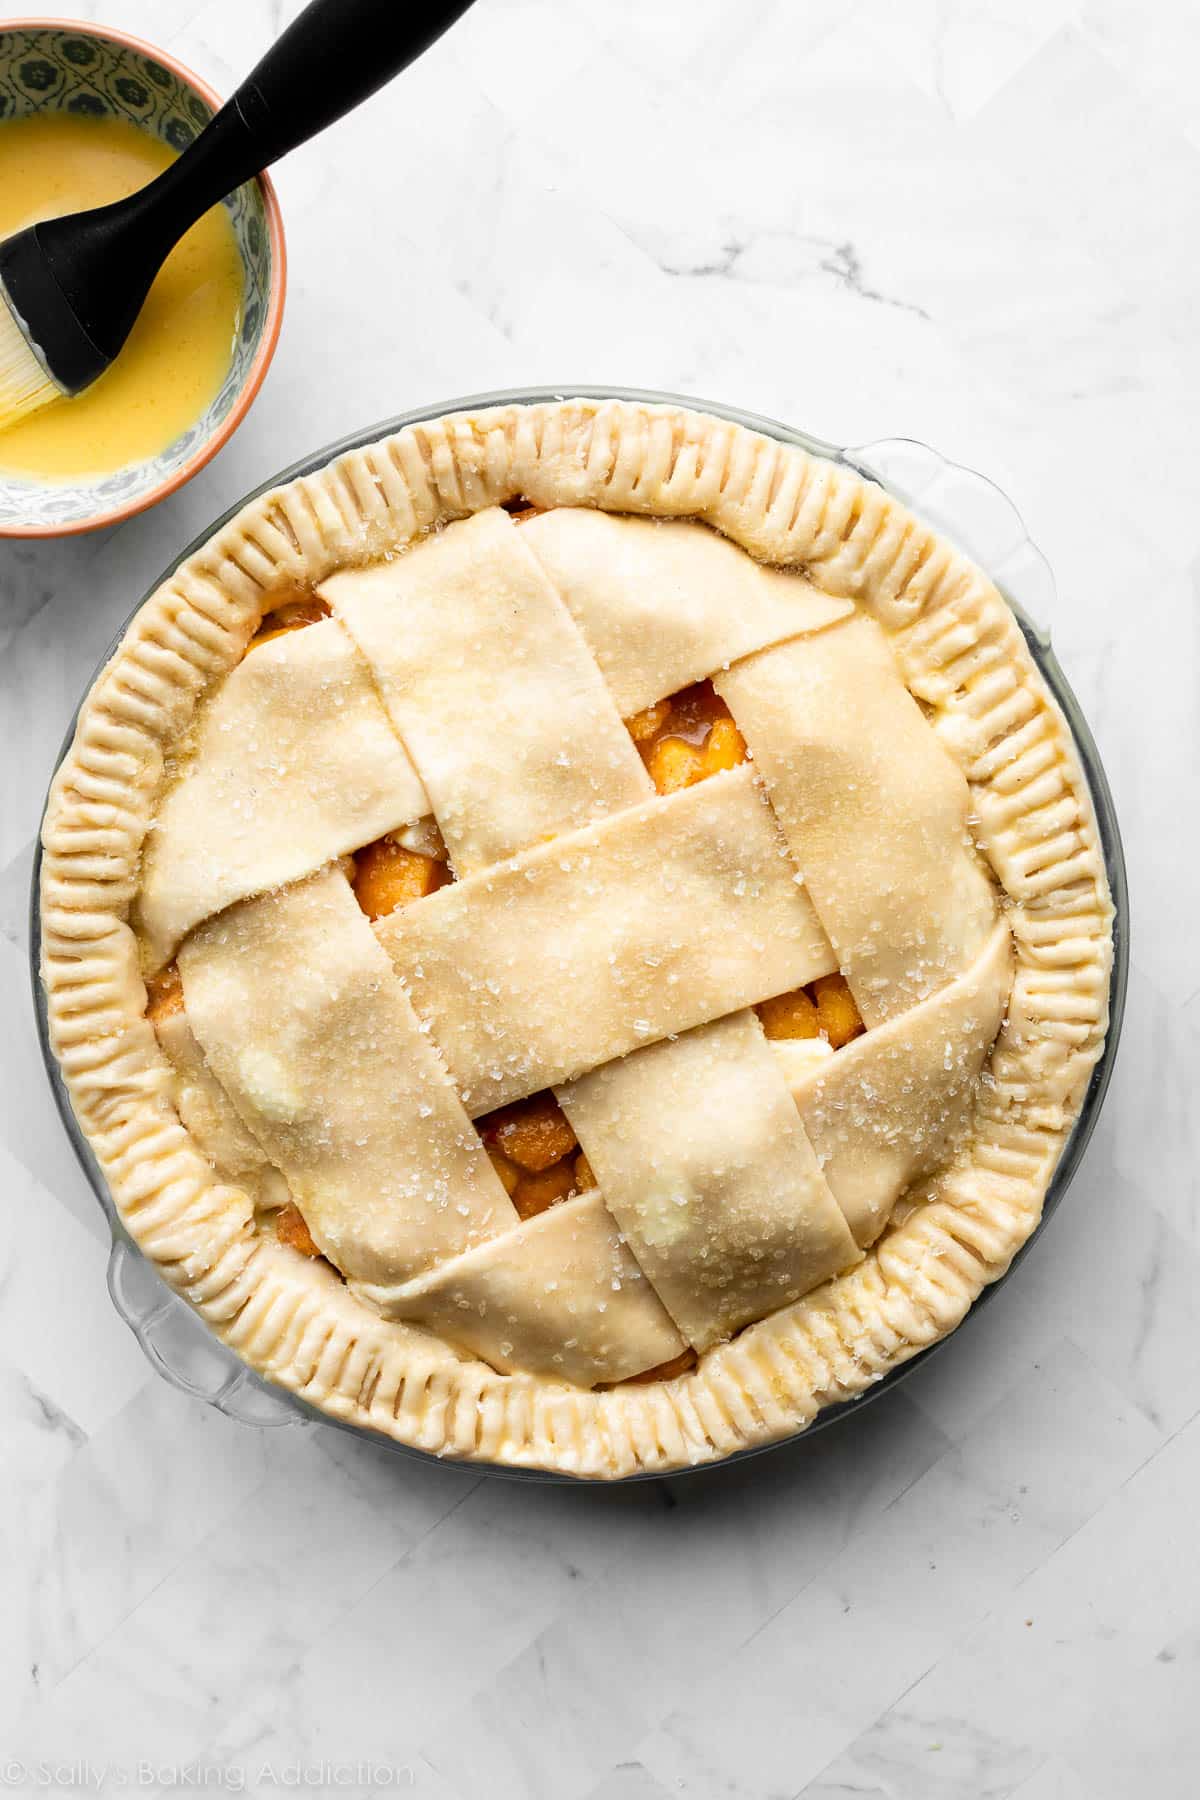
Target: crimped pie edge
<point>961,654</point>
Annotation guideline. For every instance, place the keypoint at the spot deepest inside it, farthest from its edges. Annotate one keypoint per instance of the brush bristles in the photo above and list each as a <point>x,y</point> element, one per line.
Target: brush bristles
<point>25,386</point>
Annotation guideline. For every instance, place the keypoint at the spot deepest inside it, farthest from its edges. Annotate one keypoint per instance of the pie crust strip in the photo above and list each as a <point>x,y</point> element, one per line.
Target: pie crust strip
<point>294,762</point>
<point>874,811</point>
<point>703,1162</point>
<point>209,1115</point>
<point>662,603</point>
<point>312,1037</point>
<point>492,688</point>
<point>561,1296</point>
<point>664,917</point>
<point>890,1106</point>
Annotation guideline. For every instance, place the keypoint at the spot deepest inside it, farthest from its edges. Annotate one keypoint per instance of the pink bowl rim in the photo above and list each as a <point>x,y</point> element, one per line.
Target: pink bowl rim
<point>270,337</point>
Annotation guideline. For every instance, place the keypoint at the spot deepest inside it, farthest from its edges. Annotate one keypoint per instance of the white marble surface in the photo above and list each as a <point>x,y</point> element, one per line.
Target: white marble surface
<point>971,221</point>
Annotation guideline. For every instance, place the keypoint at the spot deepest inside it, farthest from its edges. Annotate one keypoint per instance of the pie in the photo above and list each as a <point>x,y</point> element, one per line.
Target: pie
<point>576,934</point>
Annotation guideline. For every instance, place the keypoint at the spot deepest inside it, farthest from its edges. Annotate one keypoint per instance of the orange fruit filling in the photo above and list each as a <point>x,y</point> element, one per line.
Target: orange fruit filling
<point>532,1133</point>
<point>837,1014</point>
<point>535,1194</point>
<point>291,616</point>
<point>507,1171</point>
<point>826,1008</point>
<point>695,710</point>
<point>674,764</point>
<point>164,994</point>
<point>386,876</point>
<point>291,1230</point>
<point>520,509</point>
<point>533,1151</point>
<point>646,725</point>
<point>724,748</point>
<point>687,738</point>
<point>535,1191</point>
<point>791,1015</point>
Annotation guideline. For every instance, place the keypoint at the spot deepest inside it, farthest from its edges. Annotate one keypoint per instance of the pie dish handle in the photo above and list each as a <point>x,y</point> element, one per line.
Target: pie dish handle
<point>975,514</point>
<point>183,1350</point>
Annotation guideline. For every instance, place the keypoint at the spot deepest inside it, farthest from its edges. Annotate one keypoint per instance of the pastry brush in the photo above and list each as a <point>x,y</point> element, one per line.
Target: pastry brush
<point>71,288</point>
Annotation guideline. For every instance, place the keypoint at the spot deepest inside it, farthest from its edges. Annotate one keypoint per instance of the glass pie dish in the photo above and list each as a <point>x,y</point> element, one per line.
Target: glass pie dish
<point>972,512</point>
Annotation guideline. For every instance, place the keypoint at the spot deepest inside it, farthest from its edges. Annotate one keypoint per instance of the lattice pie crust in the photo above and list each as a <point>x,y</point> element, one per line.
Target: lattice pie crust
<point>914,814</point>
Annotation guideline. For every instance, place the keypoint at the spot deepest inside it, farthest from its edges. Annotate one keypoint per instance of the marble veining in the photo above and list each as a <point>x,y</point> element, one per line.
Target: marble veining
<point>780,256</point>
<point>965,221</point>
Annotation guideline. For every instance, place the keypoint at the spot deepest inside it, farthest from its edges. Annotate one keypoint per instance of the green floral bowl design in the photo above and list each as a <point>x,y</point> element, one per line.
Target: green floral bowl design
<point>80,68</point>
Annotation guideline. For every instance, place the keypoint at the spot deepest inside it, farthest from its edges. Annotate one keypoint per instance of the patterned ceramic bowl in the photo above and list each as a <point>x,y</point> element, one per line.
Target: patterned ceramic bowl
<point>55,64</point>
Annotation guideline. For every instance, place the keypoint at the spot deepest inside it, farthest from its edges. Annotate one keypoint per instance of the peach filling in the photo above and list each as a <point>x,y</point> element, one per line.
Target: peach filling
<point>824,1009</point>
<point>686,738</point>
<point>520,509</point>
<point>387,876</point>
<point>290,1229</point>
<point>164,994</point>
<point>292,615</point>
<point>535,1153</point>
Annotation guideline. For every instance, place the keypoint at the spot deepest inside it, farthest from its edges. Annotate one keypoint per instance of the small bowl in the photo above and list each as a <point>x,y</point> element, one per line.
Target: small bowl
<point>61,66</point>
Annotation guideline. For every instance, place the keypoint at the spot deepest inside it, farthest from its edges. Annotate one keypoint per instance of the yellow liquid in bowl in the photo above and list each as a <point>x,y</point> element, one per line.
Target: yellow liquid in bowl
<point>180,349</point>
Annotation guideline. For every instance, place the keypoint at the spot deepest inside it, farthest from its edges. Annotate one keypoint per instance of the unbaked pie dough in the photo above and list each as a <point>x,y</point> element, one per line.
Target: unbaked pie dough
<point>577,935</point>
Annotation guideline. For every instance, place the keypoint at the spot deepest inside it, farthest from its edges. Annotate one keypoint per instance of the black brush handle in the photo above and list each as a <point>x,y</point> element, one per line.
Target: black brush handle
<point>330,59</point>
<point>335,55</point>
